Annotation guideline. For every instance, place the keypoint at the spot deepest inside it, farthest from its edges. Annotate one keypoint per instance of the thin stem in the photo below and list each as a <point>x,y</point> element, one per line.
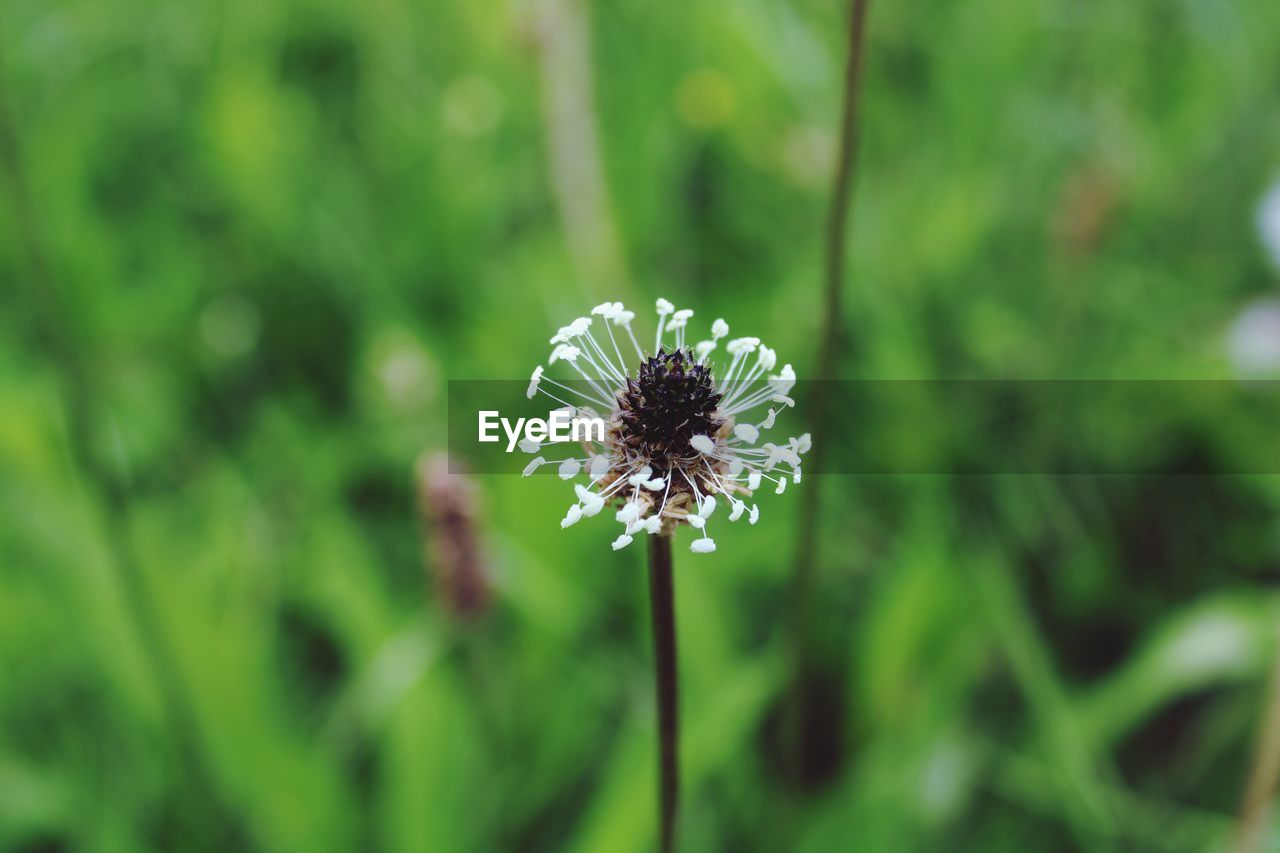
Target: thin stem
<point>662,605</point>
<point>1263,779</point>
<point>802,577</point>
<point>574,157</point>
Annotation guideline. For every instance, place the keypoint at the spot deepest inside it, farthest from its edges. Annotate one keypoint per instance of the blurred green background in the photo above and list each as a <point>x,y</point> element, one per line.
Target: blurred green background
<point>243,246</point>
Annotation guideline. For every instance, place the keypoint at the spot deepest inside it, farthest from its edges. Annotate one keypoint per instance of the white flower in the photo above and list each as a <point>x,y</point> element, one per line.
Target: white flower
<point>681,427</point>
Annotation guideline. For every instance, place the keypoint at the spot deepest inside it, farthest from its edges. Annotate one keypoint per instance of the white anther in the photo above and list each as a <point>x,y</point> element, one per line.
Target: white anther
<point>703,444</point>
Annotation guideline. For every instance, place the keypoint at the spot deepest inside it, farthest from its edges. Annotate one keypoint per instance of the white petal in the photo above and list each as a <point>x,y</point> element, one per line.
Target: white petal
<point>747,433</point>
<point>703,444</point>
<point>569,469</point>
<point>564,351</point>
<point>703,546</point>
<point>629,511</point>
<point>532,466</point>
<point>767,358</point>
<point>783,382</point>
<point>575,513</point>
<point>599,465</point>
<point>621,542</point>
<point>593,506</point>
<point>640,476</point>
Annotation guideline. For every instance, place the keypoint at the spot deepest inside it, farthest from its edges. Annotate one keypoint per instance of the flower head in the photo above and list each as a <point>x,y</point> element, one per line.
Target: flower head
<point>682,428</point>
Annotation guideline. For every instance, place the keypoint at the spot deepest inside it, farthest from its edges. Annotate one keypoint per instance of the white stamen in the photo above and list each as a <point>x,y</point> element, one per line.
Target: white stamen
<point>705,545</point>
<point>569,469</point>
<point>621,542</point>
<point>703,444</point>
<point>532,466</point>
<point>630,510</point>
<point>572,517</point>
<point>747,433</point>
<point>564,351</point>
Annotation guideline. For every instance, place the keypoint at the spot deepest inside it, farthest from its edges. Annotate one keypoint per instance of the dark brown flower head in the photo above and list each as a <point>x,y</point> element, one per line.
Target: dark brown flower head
<point>681,437</point>
<point>672,399</point>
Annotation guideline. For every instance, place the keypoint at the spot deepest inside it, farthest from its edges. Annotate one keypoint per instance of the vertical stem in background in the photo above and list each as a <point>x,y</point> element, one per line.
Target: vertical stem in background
<point>1261,788</point>
<point>662,606</point>
<point>563,36</point>
<point>802,577</point>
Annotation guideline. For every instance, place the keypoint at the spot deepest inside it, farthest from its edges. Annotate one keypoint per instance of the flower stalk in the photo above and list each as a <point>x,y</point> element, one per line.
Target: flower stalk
<point>803,579</point>
<point>662,607</point>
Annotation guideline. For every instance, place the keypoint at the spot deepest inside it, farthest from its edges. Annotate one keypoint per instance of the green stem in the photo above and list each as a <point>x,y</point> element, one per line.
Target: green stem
<point>802,576</point>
